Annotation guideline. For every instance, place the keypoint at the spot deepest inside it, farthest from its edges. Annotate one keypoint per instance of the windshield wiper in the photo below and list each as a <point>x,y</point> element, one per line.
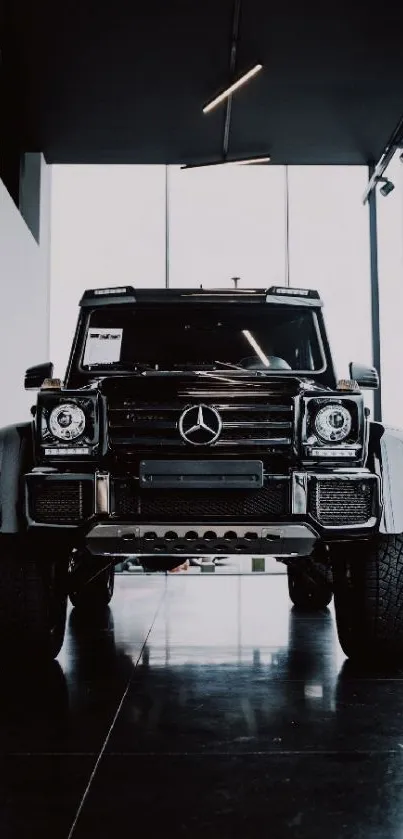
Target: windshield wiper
<point>231,366</point>
<point>210,365</point>
<point>192,365</point>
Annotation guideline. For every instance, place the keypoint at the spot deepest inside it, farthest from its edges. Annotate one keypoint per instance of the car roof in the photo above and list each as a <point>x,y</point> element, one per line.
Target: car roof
<point>283,295</point>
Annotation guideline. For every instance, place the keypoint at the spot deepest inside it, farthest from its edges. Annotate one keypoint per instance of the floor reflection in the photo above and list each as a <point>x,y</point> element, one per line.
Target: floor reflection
<point>196,565</point>
<point>34,710</point>
<point>238,699</point>
<point>247,707</point>
<point>213,685</point>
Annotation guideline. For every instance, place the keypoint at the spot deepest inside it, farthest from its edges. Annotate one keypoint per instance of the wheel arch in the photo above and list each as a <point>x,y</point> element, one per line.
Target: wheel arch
<point>16,458</point>
<point>385,458</point>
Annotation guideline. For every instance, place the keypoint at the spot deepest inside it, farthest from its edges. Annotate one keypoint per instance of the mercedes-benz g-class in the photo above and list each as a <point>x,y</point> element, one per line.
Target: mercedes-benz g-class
<point>198,423</point>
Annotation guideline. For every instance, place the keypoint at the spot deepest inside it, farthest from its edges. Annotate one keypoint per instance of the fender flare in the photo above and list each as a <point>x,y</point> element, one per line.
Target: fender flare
<point>16,458</point>
<point>385,458</point>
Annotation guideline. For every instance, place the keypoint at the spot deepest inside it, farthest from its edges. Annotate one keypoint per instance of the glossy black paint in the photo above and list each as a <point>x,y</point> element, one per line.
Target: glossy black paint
<point>77,377</point>
<point>243,721</point>
<point>366,377</point>
<point>35,376</point>
<point>16,457</point>
<point>129,295</point>
<point>127,461</point>
<point>169,386</point>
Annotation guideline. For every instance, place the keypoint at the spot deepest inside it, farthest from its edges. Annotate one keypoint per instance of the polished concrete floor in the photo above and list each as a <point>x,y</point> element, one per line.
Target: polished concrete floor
<point>201,706</point>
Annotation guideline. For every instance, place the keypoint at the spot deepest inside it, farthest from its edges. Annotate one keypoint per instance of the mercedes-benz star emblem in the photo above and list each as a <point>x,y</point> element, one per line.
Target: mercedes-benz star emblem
<point>200,425</point>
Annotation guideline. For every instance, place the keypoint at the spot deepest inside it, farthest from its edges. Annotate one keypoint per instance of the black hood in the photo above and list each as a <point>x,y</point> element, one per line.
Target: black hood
<point>158,386</point>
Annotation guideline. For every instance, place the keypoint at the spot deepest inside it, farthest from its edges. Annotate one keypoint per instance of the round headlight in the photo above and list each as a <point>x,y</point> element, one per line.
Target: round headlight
<point>67,422</point>
<point>333,423</point>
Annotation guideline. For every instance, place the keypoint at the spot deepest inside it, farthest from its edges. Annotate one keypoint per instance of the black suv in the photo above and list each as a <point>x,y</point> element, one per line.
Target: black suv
<point>196,423</point>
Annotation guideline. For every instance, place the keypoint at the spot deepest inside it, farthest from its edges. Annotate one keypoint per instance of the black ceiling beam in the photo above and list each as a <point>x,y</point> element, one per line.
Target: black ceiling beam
<point>395,142</point>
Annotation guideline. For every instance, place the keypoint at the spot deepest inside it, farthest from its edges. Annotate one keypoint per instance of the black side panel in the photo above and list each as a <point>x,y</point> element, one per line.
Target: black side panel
<point>385,457</point>
<point>16,458</point>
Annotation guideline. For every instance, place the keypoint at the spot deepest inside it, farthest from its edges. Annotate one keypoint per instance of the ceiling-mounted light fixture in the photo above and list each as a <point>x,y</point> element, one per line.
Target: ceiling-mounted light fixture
<point>395,142</point>
<point>387,186</point>
<point>249,161</point>
<point>232,88</point>
<point>234,161</point>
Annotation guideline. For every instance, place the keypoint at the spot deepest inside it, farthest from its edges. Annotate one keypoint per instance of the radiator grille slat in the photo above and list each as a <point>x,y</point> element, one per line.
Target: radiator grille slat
<point>60,502</point>
<point>268,423</point>
<point>270,502</point>
<point>335,503</point>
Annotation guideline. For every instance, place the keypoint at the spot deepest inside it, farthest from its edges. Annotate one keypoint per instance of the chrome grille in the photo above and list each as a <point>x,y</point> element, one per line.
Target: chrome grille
<point>60,502</point>
<point>271,502</point>
<point>336,503</point>
<point>268,423</point>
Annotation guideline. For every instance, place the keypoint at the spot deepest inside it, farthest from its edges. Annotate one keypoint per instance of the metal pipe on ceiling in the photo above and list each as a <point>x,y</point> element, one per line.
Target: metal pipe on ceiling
<point>232,67</point>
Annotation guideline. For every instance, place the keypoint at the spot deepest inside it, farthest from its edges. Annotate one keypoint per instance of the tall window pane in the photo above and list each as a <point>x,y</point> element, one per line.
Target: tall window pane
<point>390,262</point>
<point>224,222</point>
<point>108,228</point>
<point>329,251</point>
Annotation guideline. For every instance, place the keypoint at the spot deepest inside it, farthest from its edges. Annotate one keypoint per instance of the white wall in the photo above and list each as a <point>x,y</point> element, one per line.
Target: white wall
<point>108,229</point>
<point>390,265</point>
<point>24,313</point>
<point>224,222</point>
<point>329,251</point>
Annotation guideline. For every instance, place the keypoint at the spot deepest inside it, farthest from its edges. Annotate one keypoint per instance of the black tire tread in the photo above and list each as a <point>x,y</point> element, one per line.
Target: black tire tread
<point>31,624</point>
<point>95,595</point>
<point>309,590</point>
<point>369,598</point>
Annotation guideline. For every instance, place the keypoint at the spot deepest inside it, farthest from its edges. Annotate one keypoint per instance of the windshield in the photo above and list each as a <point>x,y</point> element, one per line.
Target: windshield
<point>168,337</point>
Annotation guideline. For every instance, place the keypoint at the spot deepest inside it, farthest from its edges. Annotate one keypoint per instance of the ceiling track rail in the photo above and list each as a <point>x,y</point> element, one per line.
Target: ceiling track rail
<point>232,68</point>
<point>395,142</point>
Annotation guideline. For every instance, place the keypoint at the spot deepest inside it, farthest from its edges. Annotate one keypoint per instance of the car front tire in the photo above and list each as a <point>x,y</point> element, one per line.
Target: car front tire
<point>368,591</point>
<point>309,586</point>
<point>33,600</point>
<point>96,594</point>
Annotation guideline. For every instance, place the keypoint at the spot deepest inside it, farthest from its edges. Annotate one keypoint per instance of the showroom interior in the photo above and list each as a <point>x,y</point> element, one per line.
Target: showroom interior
<point>201,702</point>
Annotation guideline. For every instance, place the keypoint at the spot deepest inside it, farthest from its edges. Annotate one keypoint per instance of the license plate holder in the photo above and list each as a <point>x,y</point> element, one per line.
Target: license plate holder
<point>201,474</point>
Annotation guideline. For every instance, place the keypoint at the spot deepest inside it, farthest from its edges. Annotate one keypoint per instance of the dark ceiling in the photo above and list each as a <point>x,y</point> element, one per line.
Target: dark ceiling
<point>102,81</point>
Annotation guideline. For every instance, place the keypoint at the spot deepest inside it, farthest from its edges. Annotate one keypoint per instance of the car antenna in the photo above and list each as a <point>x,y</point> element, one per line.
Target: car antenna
<point>236,280</point>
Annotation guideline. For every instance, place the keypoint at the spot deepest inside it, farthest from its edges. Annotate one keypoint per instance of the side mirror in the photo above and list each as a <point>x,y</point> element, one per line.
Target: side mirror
<point>366,377</point>
<point>35,376</point>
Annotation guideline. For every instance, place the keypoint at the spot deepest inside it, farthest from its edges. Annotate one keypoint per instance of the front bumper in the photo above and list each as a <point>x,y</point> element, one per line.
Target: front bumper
<point>315,505</point>
<point>193,540</point>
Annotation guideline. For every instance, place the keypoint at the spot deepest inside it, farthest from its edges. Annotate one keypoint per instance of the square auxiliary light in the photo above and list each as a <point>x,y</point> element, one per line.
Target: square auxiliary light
<point>334,453</point>
<point>67,451</point>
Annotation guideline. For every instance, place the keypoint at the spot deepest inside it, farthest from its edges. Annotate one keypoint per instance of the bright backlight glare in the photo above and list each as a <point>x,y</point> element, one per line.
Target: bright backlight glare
<point>256,347</point>
<point>333,453</point>
<point>229,90</point>
<point>249,161</point>
<point>105,291</point>
<point>291,292</point>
